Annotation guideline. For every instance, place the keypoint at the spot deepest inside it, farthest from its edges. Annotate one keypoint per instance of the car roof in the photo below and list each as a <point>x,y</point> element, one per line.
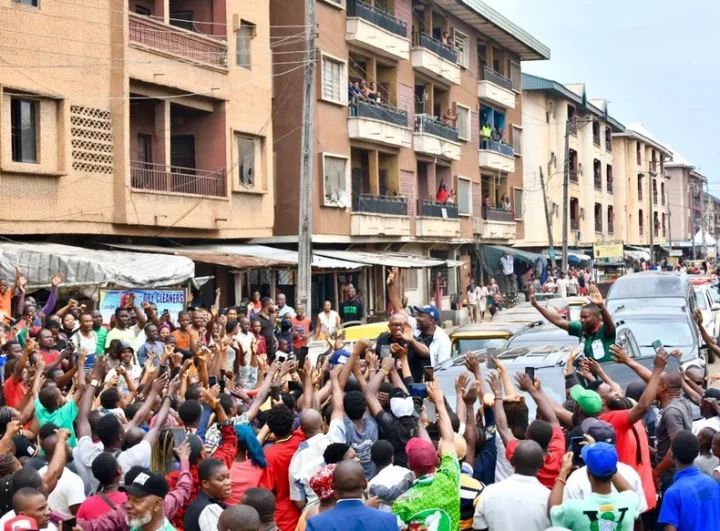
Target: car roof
<point>526,356</point>
<point>484,328</point>
<point>661,312</point>
<point>671,285</point>
<point>544,333</point>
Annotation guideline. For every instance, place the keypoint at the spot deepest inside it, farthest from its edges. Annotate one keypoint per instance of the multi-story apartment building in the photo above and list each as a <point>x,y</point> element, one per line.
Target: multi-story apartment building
<point>136,118</point>
<point>552,111</point>
<point>378,165</point>
<point>641,186</point>
<point>685,185</point>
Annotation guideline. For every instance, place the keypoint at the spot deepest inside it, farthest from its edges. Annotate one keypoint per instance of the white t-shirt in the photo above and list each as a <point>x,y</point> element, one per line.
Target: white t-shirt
<point>507,265</point>
<point>134,372</point>
<point>86,451</point>
<point>440,355</point>
<point>84,454</point>
<point>11,514</point>
<point>562,287</point>
<point>69,490</point>
<point>578,484</point>
<point>518,503</point>
<point>503,468</point>
<point>713,422</point>
<point>391,482</point>
<point>88,343</point>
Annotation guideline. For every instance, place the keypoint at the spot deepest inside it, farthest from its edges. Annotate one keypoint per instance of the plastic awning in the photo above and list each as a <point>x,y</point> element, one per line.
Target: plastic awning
<point>525,256</point>
<point>382,258</point>
<point>92,268</point>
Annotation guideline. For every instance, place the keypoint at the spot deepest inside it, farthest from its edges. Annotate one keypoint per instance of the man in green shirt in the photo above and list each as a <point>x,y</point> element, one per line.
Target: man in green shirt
<point>100,331</point>
<point>434,499</point>
<point>595,328</point>
<point>603,509</point>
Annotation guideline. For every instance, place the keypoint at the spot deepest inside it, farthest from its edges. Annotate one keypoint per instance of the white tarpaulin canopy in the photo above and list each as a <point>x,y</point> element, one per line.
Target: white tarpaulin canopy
<point>709,239</point>
<point>91,268</point>
<point>382,258</point>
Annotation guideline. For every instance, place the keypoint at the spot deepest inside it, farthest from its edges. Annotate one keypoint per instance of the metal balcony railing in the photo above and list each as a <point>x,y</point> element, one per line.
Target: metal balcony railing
<point>378,111</point>
<point>574,176</point>
<point>430,43</point>
<point>498,147</point>
<point>382,19</point>
<point>609,186</point>
<point>379,204</point>
<point>428,125</point>
<point>598,226</point>
<point>608,144</point>
<point>574,224</point>
<point>596,140</point>
<point>573,126</point>
<point>161,178</point>
<point>611,228</point>
<point>433,209</point>
<point>178,41</point>
<point>493,77</point>
<point>498,214</point>
<point>597,181</point>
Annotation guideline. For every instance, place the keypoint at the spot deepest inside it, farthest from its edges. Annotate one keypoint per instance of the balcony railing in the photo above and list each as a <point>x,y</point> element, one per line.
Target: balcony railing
<point>598,226</point>
<point>609,186</point>
<point>640,193</point>
<point>574,224</point>
<point>493,77</point>
<point>379,204</point>
<point>379,111</point>
<point>572,126</point>
<point>161,178</point>
<point>498,214</point>
<point>597,180</point>
<point>382,19</point>
<point>611,228</point>
<point>435,46</point>
<point>654,198</point>
<point>642,230</point>
<point>433,209</point>
<point>574,176</point>
<point>177,41</point>
<point>430,126</point>
<point>498,147</point>
<point>608,144</point>
<point>596,140</point>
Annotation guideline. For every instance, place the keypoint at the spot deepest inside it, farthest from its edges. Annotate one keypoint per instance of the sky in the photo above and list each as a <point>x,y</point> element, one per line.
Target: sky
<point>656,62</point>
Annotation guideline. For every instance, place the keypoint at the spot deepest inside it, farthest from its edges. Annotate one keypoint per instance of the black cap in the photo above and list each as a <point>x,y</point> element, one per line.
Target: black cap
<point>147,483</point>
<point>24,447</point>
<point>712,393</point>
<point>122,345</point>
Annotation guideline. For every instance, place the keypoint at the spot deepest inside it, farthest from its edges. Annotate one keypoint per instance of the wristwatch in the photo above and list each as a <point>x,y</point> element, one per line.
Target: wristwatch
<point>94,382</point>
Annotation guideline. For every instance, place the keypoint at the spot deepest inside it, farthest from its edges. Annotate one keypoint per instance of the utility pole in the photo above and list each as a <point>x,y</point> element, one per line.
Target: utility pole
<point>566,183</point>
<point>548,220</point>
<point>704,219</point>
<point>306,164</point>
<point>652,212</point>
<point>692,187</point>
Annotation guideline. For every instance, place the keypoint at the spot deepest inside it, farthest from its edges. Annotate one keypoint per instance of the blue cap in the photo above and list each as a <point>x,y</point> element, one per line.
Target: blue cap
<point>601,459</point>
<point>338,355</point>
<point>429,309</point>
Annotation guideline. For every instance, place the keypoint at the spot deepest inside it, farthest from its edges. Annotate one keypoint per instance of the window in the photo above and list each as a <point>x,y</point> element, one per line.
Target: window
<point>246,160</point>
<point>638,151</point>
<point>23,118</point>
<point>142,10</point>
<point>410,279</point>
<point>464,196</point>
<point>31,3</point>
<point>243,41</point>
<point>462,48</point>
<point>183,19</point>
<point>517,139</point>
<point>516,76</point>
<point>144,149</point>
<point>518,204</point>
<point>335,181</point>
<point>463,122</point>
<point>334,80</point>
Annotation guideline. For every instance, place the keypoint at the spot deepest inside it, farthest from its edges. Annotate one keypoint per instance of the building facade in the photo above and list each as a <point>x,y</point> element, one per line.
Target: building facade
<point>553,111</point>
<point>684,198</point>
<point>443,70</point>
<point>137,118</point>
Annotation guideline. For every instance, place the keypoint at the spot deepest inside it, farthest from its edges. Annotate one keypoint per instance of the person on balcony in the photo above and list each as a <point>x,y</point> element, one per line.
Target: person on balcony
<point>443,194</point>
<point>446,39</point>
<point>486,134</point>
<point>374,96</point>
<point>449,118</point>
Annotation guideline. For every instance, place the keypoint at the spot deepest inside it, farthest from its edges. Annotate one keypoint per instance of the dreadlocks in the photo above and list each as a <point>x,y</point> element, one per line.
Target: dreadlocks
<point>161,460</point>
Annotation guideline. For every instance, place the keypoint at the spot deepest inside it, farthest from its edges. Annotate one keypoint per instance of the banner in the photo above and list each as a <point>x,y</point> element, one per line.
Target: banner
<point>172,300</point>
<point>608,250</point>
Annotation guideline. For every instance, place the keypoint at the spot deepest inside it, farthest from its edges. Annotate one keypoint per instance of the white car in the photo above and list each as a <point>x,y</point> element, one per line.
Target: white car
<point>708,302</point>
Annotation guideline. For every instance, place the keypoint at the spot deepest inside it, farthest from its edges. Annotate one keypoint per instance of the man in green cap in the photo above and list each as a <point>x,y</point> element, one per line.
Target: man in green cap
<point>595,327</point>
<point>588,404</point>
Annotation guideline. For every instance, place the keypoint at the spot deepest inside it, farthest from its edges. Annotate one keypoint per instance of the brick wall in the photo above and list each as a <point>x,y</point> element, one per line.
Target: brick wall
<point>403,11</point>
<point>407,189</point>
<point>475,130</point>
<point>406,101</point>
<point>476,200</point>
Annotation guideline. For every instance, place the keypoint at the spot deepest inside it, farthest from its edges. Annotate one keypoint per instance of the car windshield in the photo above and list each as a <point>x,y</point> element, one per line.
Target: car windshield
<point>701,300</point>
<point>671,333</point>
<point>462,345</point>
<point>542,340</point>
<point>657,286</point>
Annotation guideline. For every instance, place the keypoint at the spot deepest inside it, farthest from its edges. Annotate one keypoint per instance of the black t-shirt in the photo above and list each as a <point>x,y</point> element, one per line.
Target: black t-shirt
<point>416,361</point>
<point>267,330</point>
<point>351,310</point>
<point>396,431</point>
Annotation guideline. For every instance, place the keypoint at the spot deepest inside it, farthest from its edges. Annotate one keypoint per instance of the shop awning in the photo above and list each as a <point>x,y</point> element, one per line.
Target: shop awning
<point>92,268</point>
<point>572,256</point>
<point>525,256</point>
<point>382,258</point>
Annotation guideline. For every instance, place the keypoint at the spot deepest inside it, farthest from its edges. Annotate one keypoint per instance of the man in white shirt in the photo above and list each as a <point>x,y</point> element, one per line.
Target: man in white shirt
<point>562,285</point>
<point>473,297</point>
<point>428,317</point>
<point>390,480</point>
<point>69,492</point>
<point>308,459</point>
<point>518,503</point>
<point>29,503</point>
<point>283,309</point>
<point>508,268</point>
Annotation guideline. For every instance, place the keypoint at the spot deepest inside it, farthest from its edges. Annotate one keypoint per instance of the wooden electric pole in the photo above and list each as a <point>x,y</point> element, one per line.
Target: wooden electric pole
<point>566,184</point>
<point>548,219</point>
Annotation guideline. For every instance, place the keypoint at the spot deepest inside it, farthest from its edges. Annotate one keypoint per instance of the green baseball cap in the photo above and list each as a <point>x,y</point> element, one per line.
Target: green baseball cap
<point>589,401</point>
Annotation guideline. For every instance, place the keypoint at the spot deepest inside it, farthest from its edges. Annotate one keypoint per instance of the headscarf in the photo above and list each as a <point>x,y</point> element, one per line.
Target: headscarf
<point>246,436</point>
<point>322,482</point>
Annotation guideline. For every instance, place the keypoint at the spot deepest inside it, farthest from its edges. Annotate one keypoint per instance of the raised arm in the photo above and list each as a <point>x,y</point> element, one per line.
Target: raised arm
<point>648,397</point>
<point>597,299</point>
<point>501,423</point>
<point>358,349</point>
<point>470,434</point>
<point>82,426</point>
<point>594,367</point>
<point>620,356</point>
<point>393,279</point>
<point>447,436</point>
<point>371,393</point>
<point>551,315</point>
<point>155,389</point>
<point>338,408</point>
<point>705,336</point>
<point>57,463</point>
<point>30,347</point>
<point>543,408</point>
<point>262,393</point>
<point>162,414</point>
<point>52,299</point>
<point>556,495</point>
<point>505,377</point>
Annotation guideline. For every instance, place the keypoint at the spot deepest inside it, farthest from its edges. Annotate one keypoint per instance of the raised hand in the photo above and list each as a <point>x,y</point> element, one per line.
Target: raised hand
<point>499,364</point>
<point>56,280</point>
<point>698,317</point>
<point>495,385</point>
<point>531,294</point>
<point>619,355</point>
<point>472,364</point>
<point>183,451</point>
<point>159,383</point>
<point>407,333</point>
<point>31,345</point>
<point>524,382</point>
<point>392,275</point>
<point>461,383</point>
<point>173,386</point>
<point>398,350</point>
<point>472,393</point>
<point>660,361</point>
<point>434,392</point>
<point>595,296</point>
<point>13,428</point>
<point>388,364</point>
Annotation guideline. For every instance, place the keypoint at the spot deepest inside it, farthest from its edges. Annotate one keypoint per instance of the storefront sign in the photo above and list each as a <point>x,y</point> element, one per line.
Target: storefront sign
<point>172,300</point>
<point>607,250</point>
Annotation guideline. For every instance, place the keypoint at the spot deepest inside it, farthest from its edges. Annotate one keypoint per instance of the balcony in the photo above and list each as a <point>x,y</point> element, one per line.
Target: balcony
<point>574,224</point>
<point>489,229</point>
<point>376,215</point>
<point>158,37</point>
<point>375,30</point>
<point>642,230</point>
<point>598,227</point>
<point>572,126</point>
<point>437,220</point>
<point>608,145</point>
<point>611,228</point>
<point>496,89</point>
<point>375,122</point>
<point>173,180</point>
<point>436,138</point>
<point>597,181</point>
<point>596,140</point>
<point>435,59</point>
<point>609,186</point>
<point>573,175</point>
<point>496,156</point>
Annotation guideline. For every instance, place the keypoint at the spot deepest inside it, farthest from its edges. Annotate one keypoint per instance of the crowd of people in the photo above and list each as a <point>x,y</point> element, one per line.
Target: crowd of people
<point>212,425</point>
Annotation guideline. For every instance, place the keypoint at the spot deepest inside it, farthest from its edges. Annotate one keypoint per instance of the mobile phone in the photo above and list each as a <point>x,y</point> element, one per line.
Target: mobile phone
<point>68,524</point>
<point>162,370</point>
<point>174,372</point>
<point>491,352</point>
<point>70,344</point>
<point>418,390</point>
<point>275,392</point>
<point>491,363</point>
<point>576,447</point>
<point>385,352</point>
<point>212,381</point>
<point>429,374</point>
<point>179,435</point>
<point>222,385</point>
<point>657,345</point>
<point>302,353</point>
<point>430,410</point>
<point>530,371</point>
<point>281,357</point>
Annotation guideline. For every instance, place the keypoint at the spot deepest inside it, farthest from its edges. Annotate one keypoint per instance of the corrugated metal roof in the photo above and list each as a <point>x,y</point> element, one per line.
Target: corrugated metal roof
<point>382,258</point>
<point>531,82</point>
<point>641,133</point>
<point>494,25</point>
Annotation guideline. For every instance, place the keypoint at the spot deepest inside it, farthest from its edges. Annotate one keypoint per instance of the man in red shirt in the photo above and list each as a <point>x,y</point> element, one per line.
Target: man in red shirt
<point>46,342</point>
<point>14,389</point>
<point>275,477</point>
<point>547,433</point>
<point>301,328</point>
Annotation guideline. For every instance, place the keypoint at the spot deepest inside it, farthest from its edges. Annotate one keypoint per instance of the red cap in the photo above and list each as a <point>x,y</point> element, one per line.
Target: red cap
<point>21,523</point>
<point>422,455</point>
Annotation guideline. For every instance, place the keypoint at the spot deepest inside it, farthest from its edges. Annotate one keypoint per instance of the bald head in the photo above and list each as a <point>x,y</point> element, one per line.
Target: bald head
<point>349,479</point>
<point>239,518</point>
<point>134,436</point>
<point>528,458</point>
<point>311,422</point>
<point>672,381</point>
